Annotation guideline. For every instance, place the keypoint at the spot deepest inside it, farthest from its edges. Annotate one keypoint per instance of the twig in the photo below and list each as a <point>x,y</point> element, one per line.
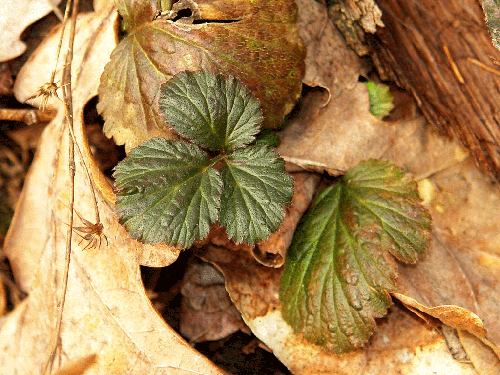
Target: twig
<point>484,66</point>
<point>28,116</point>
<point>454,66</point>
<point>68,103</point>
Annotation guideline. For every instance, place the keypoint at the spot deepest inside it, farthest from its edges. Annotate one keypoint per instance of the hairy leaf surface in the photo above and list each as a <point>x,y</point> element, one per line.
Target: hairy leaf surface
<point>256,188</point>
<point>257,42</point>
<point>168,192</point>
<point>214,111</point>
<point>338,271</point>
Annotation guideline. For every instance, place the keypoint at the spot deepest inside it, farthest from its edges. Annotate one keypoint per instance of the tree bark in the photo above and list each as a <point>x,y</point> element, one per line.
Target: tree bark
<point>441,51</point>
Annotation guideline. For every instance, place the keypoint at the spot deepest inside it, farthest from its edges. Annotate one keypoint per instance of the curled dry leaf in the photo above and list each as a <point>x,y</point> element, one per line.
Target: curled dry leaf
<point>336,137</point>
<point>330,63</point>
<point>107,310</point>
<point>257,42</point>
<point>15,16</point>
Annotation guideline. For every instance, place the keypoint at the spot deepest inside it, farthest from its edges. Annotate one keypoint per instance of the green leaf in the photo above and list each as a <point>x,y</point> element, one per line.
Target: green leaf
<point>214,111</point>
<point>255,41</point>
<point>168,192</point>
<point>256,188</point>
<point>337,271</point>
<point>380,99</point>
<point>268,138</point>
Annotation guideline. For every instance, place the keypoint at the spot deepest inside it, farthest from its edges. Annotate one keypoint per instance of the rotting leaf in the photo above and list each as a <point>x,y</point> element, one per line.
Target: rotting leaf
<point>337,271</point>
<point>259,46</point>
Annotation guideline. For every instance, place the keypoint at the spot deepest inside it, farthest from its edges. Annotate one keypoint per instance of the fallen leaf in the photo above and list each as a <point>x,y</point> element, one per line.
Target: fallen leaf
<point>15,16</point>
<point>338,136</point>
<point>207,311</point>
<point>330,63</point>
<point>256,42</point>
<point>460,269</point>
<point>107,310</point>
<point>485,359</point>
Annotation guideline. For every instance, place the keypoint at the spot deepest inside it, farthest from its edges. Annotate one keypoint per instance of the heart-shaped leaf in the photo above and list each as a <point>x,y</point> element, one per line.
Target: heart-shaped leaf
<point>337,271</point>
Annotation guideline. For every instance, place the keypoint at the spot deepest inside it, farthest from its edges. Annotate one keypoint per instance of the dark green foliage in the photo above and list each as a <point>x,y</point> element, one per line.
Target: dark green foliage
<point>338,271</point>
<point>173,191</point>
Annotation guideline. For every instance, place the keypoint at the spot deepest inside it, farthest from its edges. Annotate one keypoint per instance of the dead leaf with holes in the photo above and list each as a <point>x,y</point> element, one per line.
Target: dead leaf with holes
<point>107,311</point>
<point>257,42</point>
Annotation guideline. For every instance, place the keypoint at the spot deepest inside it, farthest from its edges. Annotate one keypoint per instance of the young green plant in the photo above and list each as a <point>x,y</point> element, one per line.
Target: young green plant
<point>174,191</point>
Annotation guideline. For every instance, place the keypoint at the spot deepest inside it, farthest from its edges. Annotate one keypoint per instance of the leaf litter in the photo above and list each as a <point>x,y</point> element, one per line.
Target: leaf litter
<point>107,311</point>
<point>457,196</point>
<point>257,42</point>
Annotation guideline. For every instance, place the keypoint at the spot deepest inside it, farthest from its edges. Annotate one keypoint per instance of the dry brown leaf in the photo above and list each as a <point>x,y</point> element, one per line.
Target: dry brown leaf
<point>330,63</point>
<point>207,311</point>
<point>15,16</point>
<point>78,367</point>
<point>107,310</point>
<point>336,137</point>
<point>484,357</point>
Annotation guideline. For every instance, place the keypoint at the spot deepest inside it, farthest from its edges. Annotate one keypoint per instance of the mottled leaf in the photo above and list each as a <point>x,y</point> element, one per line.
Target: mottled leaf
<point>214,111</point>
<point>257,42</point>
<point>337,271</point>
<point>256,188</point>
<point>168,192</point>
